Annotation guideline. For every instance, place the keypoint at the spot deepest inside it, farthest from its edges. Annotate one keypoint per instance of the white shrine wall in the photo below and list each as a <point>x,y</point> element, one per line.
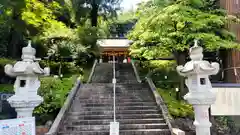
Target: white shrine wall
<point>228,100</point>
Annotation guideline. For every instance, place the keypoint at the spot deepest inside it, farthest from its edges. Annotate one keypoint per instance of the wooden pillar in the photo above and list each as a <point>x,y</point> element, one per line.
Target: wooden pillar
<point>231,57</point>
<point>231,66</point>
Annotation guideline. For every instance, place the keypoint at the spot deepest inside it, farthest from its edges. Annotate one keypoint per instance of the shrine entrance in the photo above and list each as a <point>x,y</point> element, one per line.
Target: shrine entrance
<point>120,57</point>
<point>114,47</point>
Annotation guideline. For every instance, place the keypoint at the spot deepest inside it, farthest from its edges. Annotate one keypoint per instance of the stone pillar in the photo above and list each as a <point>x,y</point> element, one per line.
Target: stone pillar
<point>125,59</point>
<point>27,84</point>
<point>202,122</point>
<point>200,94</point>
<point>24,112</point>
<point>101,60</point>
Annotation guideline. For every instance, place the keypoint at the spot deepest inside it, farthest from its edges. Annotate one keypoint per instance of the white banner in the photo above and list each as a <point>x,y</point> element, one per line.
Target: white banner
<point>227,102</point>
<point>19,126</point>
<point>114,128</point>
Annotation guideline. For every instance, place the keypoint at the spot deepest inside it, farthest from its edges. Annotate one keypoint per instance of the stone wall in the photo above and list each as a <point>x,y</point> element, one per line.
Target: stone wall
<point>218,127</point>
<point>41,130</point>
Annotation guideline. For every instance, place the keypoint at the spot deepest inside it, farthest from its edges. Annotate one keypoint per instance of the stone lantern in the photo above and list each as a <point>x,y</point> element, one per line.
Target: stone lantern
<point>200,94</point>
<point>26,85</point>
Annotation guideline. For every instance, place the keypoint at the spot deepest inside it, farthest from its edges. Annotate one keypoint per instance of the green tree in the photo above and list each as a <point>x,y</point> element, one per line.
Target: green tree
<point>163,31</point>
<point>95,8</point>
<point>26,19</point>
<point>173,29</point>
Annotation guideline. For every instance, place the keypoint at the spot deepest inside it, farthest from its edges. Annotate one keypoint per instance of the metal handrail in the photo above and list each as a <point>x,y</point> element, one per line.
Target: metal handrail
<point>114,89</point>
<point>62,113</point>
<point>158,98</point>
<point>136,72</point>
<point>92,71</point>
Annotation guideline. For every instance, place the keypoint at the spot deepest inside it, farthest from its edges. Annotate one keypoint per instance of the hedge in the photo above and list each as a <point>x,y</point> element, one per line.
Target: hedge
<point>54,92</point>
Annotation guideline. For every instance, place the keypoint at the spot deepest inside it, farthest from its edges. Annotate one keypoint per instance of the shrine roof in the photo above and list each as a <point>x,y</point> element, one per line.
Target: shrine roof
<point>114,42</point>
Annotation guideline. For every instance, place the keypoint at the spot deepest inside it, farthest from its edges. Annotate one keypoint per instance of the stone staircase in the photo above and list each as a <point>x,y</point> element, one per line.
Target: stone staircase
<point>125,74</point>
<point>92,108</point>
<point>103,73</point>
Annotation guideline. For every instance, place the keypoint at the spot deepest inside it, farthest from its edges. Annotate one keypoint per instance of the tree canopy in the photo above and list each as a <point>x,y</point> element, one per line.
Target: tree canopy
<point>162,30</point>
<point>54,26</point>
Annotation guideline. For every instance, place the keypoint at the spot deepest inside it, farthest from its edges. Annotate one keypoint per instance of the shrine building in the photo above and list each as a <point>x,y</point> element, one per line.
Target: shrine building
<point>114,47</point>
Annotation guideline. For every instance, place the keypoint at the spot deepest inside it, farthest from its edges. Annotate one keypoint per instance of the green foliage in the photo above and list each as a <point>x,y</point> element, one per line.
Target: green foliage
<point>54,92</point>
<point>3,62</point>
<point>39,15</point>
<point>226,124</point>
<point>161,31</point>
<point>7,88</point>
<point>67,67</point>
<point>126,17</point>
<point>176,108</point>
<point>51,25</point>
<point>82,9</point>
<point>85,76</point>
<point>157,70</point>
<point>103,28</point>
<point>3,38</point>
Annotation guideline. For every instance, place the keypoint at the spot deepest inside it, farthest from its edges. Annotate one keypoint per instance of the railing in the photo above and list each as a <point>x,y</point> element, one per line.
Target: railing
<point>91,74</point>
<point>161,104</point>
<point>114,89</point>
<point>158,99</point>
<point>63,112</point>
<point>136,72</point>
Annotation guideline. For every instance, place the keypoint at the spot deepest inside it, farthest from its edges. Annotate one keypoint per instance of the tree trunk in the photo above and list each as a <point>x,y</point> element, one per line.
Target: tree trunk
<point>94,13</point>
<point>14,48</point>
<point>181,60</point>
<point>60,70</point>
<point>230,60</point>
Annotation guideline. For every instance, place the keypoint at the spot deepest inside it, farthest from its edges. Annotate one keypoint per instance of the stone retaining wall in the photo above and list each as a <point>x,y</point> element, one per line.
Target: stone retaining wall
<point>41,130</point>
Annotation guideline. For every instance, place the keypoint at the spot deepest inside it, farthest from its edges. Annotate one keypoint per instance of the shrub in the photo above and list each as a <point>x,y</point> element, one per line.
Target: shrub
<point>3,62</point>
<point>6,88</point>
<point>159,69</point>
<point>54,92</point>
<point>176,108</point>
<point>3,77</point>
<point>67,67</point>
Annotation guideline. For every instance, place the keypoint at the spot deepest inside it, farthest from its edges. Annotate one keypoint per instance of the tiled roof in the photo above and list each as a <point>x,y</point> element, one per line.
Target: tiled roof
<point>114,42</point>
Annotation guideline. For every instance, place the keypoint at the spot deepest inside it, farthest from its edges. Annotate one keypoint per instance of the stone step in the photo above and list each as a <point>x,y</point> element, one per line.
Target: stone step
<point>117,96</point>
<point>110,91</point>
<point>104,112</point>
<point>102,104</point>
<point>121,127</point>
<point>107,121</point>
<point>118,116</point>
<point>118,85</point>
<point>110,100</point>
<point>127,82</point>
<point>137,98</point>
<point>118,88</point>
<point>122,132</point>
<point>81,108</point>
<point>117,92</point>
<point>133,89</point>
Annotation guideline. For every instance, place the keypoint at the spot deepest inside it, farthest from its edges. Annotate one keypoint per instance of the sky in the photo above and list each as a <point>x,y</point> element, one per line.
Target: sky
<point>129,4</point>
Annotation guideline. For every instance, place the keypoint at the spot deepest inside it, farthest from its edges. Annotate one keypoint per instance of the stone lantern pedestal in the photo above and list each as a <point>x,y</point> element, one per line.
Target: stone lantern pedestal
<point>200,93</point>
<point>27,84</point>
